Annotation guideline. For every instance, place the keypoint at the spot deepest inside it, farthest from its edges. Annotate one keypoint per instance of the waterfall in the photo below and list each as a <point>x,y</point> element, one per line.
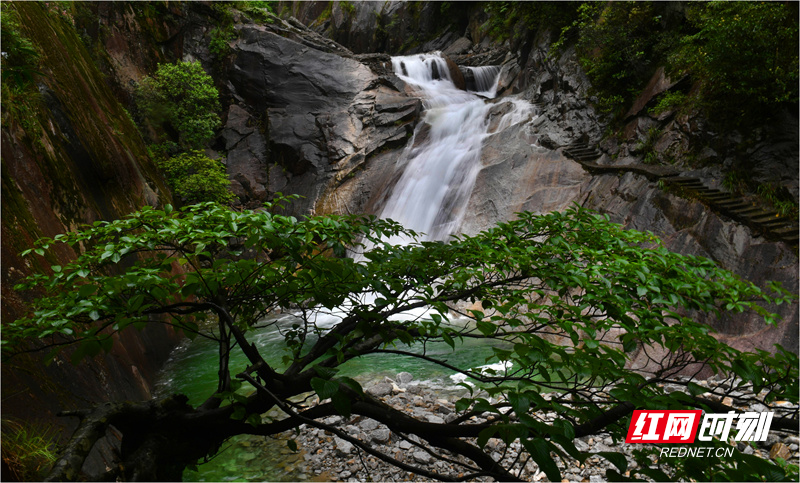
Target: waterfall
<point>483,80</point>
<point>443,158</point>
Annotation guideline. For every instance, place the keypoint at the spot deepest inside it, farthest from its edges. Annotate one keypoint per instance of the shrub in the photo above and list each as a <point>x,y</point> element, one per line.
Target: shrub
<point>183,96</point>
<point>19,66</point>
<point>744,54</point>
<point>619,45</point>
<point>569,302</point>
<point>194,177</point>
<point>669,101</point>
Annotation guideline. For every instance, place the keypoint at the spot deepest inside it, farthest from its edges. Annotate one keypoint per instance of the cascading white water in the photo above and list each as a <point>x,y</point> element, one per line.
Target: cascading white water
<point>485,79</point>
<point>443,159</point>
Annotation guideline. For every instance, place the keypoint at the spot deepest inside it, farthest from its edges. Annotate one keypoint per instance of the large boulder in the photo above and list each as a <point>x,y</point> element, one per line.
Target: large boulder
<point>325,114</point>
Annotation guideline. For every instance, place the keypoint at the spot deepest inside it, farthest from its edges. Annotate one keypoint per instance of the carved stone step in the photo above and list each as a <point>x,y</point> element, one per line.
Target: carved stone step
<point>768,217</point>
<point>717,196</point>
<point>774,225</point>
<point>731,202</point>
<point>789,230</point>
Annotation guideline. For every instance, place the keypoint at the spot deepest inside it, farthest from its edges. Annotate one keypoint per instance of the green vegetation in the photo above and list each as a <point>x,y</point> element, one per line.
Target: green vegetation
<point>619,45</point>
<point>669,101</point>
<point>19,68</point>
<point>510,19</point>
<point>568,299</point>
<point>259,10</point>
<point>182,98</point>
<point>28,451</point>
<point>194,177</point>
<point>779,198</point>
<point>220,36</point>
<point>744,54</point>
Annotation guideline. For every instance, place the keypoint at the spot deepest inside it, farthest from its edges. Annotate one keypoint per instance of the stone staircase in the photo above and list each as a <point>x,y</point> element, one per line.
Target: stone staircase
<point>766,222</point>
<point>582,152</point>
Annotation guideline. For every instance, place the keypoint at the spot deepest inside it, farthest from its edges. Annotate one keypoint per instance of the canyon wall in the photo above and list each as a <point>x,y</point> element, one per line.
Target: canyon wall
<point>71,155</point>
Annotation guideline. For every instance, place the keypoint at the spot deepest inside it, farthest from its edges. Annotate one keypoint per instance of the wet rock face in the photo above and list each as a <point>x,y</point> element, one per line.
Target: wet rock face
<point>325,115</point>
<point>79,160</point>
<point>524,168</point>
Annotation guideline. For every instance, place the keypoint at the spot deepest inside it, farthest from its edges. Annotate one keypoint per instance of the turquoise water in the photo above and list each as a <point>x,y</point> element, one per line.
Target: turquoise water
<point>192,370</point>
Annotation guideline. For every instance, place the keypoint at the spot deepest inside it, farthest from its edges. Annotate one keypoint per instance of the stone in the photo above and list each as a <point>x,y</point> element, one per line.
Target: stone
<point>422,457</point>
<point>404,378</point>
<point>780,450</point>
<point>380,389</point>
<point>342,446</point>
<point>460,46</point>
<point>381,436</point>
<point>324,113</point>
<point>435,419</point>
<point>658,83</point>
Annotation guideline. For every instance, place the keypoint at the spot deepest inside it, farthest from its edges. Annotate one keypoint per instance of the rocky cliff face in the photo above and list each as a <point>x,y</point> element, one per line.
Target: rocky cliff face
<point>73,158</point>
<point>530,170</point>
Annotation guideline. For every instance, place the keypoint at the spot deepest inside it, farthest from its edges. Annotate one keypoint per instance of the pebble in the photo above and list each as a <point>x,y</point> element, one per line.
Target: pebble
<point>381,436</point>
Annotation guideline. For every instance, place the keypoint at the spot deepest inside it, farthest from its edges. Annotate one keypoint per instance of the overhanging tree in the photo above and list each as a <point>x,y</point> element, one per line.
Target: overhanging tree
<point>577,306</point>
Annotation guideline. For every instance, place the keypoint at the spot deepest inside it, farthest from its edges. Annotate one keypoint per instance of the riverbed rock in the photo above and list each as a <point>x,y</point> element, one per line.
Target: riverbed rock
<point>381,436</point>
<point>379,390</point>
<point>404,378</point>
<point>342,446</point>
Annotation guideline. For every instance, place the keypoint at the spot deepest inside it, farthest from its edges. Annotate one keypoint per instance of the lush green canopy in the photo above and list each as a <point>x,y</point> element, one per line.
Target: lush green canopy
<point>580,305</point>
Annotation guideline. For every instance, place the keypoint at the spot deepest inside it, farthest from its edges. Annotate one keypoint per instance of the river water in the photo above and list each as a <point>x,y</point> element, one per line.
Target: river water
<point>440,166</point>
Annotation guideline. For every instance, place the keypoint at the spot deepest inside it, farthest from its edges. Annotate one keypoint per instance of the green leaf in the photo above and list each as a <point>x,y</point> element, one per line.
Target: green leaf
<point>325,389</point>
<point>86,290</point>
<point>539,450</point>
<point>695,389</point>
<point>341,403</point>
<point>617,459</point>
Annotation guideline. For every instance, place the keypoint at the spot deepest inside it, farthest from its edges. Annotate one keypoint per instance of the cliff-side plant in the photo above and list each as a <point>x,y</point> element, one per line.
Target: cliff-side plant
<point>669,101</point>
<point>28,451</point>
<point>219,39</point>
<point>745,55</point>
<point>18,70</point>
<point>570,303</point>
<point>619,45</point>
<point>194,177</point>
<point>181,98</point>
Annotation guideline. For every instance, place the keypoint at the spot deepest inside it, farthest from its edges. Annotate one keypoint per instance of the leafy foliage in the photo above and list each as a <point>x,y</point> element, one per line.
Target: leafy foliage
<point>506,18</point>
<point>745,54</point>
<point>19,68</point>
<point>183,96</point>
<point>220,36</point>
<point>575,304</point>
<point>619,45</point>
<point>195,177</point>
